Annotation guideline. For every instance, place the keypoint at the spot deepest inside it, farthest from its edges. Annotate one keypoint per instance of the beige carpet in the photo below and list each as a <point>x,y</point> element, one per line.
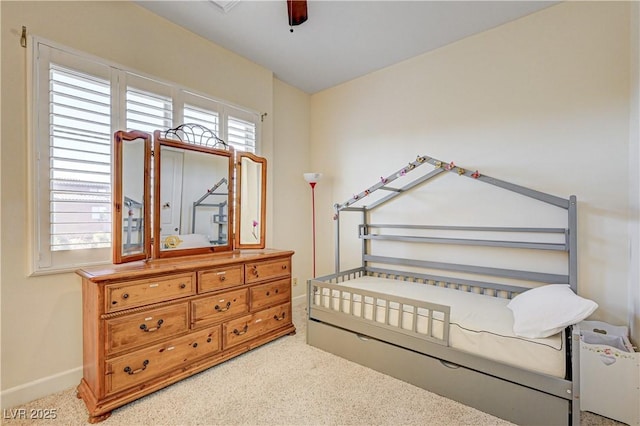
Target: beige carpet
<point>285,382</point>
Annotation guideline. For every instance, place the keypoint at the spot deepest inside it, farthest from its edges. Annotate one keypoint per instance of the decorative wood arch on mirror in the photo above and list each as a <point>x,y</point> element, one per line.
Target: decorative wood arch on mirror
<point>131,230</point>
<point>198,184</point>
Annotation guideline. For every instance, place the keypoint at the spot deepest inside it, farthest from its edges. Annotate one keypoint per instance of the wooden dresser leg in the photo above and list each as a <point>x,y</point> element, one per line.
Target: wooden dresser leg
<point>99,418</point>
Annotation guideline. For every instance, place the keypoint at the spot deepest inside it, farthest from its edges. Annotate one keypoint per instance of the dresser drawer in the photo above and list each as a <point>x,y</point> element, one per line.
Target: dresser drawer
<point>267,270</point>
<point>270,294</point>
<point>136,367</point>
<point>129,331</point>
<point>250,326</point>
<point>217,308</point>
<point>220,278</point>
<point>131,294</point>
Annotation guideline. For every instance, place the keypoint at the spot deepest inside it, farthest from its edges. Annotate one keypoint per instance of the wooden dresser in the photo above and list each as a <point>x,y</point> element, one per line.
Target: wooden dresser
<point>149,324</point>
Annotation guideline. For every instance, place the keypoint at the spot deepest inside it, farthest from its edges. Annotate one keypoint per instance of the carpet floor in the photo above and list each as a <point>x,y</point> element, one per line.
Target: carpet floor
<point>285,382</point>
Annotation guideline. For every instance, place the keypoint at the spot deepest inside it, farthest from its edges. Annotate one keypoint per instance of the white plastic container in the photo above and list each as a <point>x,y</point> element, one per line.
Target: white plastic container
<point>609,372</point>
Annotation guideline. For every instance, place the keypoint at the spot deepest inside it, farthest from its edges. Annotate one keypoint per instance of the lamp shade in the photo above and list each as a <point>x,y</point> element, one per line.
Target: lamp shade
<point>312,177</point>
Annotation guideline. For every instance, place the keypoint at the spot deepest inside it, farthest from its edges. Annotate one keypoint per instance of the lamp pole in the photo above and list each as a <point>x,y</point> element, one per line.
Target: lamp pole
<point>313,178</point>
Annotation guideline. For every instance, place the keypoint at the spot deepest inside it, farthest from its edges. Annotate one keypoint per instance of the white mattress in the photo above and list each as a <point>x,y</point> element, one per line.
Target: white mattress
<point>479,324</point>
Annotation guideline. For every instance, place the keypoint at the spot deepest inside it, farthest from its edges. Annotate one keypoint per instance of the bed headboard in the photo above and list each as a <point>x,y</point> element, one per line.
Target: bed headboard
<point>492,280</point>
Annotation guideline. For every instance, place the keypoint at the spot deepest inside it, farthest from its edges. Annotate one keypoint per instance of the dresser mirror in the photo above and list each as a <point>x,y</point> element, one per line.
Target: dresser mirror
<point>250,226</point>
<point>206,197</point>
<point>131,206</point>
<point>193,198</point>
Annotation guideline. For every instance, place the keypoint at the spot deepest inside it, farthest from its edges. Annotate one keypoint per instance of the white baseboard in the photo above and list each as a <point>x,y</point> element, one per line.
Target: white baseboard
<point>299,299</point>
<point>36,389</point>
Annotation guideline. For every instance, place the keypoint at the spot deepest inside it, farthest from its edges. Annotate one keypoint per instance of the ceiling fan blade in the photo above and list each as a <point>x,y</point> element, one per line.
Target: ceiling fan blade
<point>297,10</point>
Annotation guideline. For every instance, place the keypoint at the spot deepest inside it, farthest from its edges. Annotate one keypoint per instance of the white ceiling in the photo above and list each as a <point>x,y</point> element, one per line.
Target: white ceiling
<point>341,40</point>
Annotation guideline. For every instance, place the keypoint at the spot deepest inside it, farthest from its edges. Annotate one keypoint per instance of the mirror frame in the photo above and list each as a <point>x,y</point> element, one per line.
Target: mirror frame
<point>120,139</point>
<point>159,142</point>
<point>263,201</point>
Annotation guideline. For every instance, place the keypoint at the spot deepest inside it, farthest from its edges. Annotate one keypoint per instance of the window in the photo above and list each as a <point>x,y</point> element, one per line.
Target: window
<point>241,134</point>
<point>79,102</point>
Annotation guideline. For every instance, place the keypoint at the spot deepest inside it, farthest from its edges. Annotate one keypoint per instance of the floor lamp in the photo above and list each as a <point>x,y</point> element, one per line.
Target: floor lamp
<point>313,178</point>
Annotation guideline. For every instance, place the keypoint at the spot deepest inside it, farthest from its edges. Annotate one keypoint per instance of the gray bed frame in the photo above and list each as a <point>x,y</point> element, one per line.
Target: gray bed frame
<point>515,394</point>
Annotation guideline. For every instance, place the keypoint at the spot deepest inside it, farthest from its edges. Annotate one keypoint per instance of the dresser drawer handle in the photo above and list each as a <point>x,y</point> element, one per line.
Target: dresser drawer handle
<point>222,278</point>
<point>144,328</point>
<point>284,266</point>
<point>240,333</point>
<point>131,372</point>
<point>125,296</point>
<point>219,309</point>
<point>183,285</point>
<point>280,318</point>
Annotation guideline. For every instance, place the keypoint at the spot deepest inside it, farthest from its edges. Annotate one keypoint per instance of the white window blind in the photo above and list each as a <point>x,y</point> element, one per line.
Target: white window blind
<point>203,117</point>
<point>79,102</point>
<point>80,160</point>
<point>148,111</point>
<point>241,134</point>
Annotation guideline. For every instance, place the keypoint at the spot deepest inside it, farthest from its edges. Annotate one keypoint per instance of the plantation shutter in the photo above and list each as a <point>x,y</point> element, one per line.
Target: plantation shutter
<point>203,117</point>
<point>148,110</point>
<point>80,160</point>
<point>241,134</point>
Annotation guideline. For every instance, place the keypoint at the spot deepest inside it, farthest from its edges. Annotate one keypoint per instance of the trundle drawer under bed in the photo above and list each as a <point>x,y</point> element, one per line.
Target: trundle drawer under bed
<point>476,389</point>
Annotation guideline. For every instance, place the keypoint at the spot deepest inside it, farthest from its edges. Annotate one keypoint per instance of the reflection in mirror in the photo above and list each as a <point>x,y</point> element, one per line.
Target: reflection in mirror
<point>250,224</point>
<point>132,158</point>
<point>193,199</point>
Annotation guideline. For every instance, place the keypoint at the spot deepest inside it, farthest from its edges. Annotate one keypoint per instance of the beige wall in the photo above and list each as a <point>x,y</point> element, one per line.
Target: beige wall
<point>41,316</point>
<point>291,194</point>
<point>543,102</point>
<point>634,173</point>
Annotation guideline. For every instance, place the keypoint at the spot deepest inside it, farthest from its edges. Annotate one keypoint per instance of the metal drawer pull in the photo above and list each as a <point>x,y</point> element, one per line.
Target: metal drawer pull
<point>284,266</point>
<point>144,328</point>
<point>125,296</point>
<point>226,308</point>
<point>222,278</point>
<point>449,365</point>
<point>254,271</point>
<point>183,285</point>
<point>240,333</point>
<point>130,372</point>
<point>280,318</point>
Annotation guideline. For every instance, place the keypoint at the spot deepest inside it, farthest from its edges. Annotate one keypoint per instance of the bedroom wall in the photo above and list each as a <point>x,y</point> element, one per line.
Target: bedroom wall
<point>291,159</point>
<point>42,315</point>
<point>542,102</point>
<point>634,174</point>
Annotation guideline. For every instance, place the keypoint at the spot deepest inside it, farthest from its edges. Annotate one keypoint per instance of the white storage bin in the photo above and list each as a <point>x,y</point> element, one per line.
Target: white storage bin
<point>609,372</point>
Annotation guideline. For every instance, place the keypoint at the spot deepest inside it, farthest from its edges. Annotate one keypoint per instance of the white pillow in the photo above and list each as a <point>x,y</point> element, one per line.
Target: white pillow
<point>547,310</point>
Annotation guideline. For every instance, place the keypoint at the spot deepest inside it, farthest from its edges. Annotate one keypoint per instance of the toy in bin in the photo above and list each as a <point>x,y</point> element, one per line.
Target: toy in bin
<point>609,372</point>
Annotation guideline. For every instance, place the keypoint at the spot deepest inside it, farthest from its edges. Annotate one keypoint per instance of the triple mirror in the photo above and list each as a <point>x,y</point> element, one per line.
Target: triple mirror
<point>194,180</point>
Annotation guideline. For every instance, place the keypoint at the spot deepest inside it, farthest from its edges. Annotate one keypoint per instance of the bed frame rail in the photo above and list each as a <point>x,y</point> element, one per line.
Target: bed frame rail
<point>338,304</point>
